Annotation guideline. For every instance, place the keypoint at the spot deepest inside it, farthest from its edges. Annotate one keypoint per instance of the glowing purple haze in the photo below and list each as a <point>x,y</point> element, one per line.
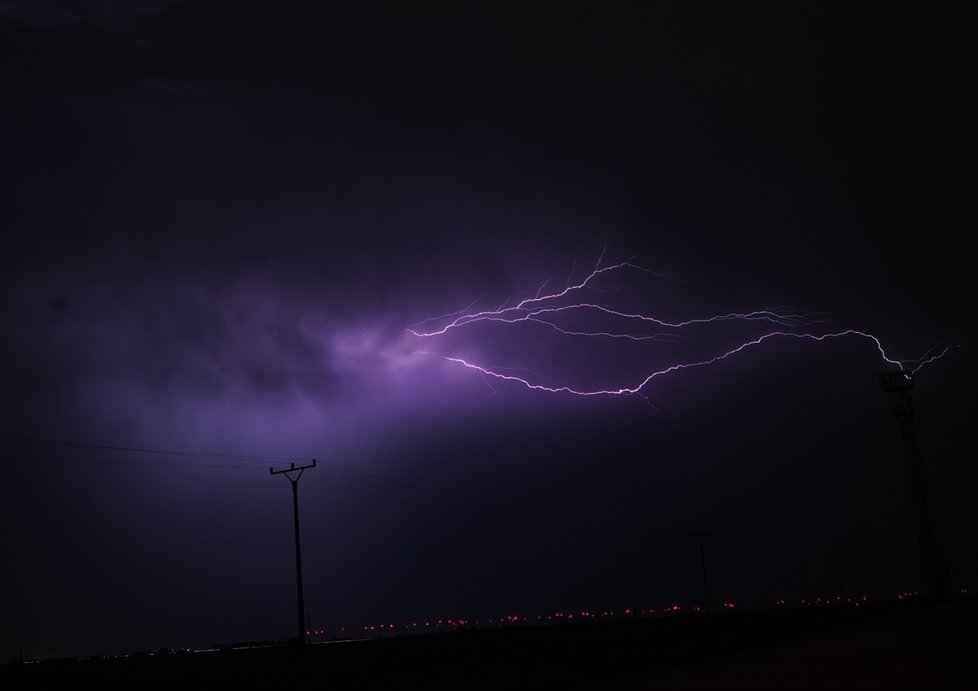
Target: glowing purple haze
<point>549,309</point>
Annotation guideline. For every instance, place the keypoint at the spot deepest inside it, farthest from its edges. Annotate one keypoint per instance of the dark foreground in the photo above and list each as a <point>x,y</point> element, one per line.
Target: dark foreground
<point>906,646</point>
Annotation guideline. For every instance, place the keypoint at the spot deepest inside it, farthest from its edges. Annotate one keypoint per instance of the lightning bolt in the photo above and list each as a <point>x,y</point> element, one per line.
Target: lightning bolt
<point>550,309</point>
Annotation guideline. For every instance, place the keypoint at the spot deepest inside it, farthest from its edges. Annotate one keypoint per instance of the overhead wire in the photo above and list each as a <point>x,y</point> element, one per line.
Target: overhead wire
<point>354,480</point>
<point>107,461</point>
<point>341,477</point>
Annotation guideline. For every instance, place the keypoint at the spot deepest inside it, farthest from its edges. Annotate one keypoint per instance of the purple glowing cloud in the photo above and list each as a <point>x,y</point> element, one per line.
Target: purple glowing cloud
<point>242,364</point>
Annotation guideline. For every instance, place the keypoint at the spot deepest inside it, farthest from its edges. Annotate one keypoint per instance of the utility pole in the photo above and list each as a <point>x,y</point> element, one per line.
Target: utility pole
<point>936,582</point>
<point>706,583</point>
<point>301,632</point>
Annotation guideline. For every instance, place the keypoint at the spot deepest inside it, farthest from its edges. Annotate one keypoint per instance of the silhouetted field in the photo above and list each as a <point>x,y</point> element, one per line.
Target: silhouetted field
<point>906,646</point>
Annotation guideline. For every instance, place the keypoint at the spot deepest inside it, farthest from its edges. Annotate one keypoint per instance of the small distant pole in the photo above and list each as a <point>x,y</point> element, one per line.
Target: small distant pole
<point>836,559</point>
<point>700,534</point>
<point>301,637</point>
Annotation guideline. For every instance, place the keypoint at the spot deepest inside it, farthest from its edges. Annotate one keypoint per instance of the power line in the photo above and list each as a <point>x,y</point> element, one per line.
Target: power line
<point>368,490</point>
<point>407,499</point>
<point>370,480</point>
<point>367,484</point>
<point>344,477</point>
<point>377,478</point>
<point>376,492</point>
<point>225,456</point>
<point>132,449</point>
<point>106,461</point>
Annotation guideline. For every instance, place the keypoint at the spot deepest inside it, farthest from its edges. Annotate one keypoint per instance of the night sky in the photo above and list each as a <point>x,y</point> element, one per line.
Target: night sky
<point>220,221</point>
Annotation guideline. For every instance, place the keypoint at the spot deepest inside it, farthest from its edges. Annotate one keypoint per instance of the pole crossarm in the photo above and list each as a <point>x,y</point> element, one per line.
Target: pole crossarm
<point>292,468</point>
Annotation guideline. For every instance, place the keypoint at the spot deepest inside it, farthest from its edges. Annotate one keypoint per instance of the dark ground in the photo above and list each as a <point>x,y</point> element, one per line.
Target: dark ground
<point>882,646</point>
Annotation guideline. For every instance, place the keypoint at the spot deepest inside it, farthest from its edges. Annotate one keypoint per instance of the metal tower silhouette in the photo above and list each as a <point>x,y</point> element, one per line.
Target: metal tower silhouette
<point>936,581</point>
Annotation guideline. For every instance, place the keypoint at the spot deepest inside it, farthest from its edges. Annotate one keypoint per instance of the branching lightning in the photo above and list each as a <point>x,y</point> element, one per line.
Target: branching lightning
<point>549,309</point>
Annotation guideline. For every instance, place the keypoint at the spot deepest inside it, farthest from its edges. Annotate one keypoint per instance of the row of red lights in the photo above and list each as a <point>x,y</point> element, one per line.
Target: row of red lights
<point>512,619</point>
<point>560,615</point>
